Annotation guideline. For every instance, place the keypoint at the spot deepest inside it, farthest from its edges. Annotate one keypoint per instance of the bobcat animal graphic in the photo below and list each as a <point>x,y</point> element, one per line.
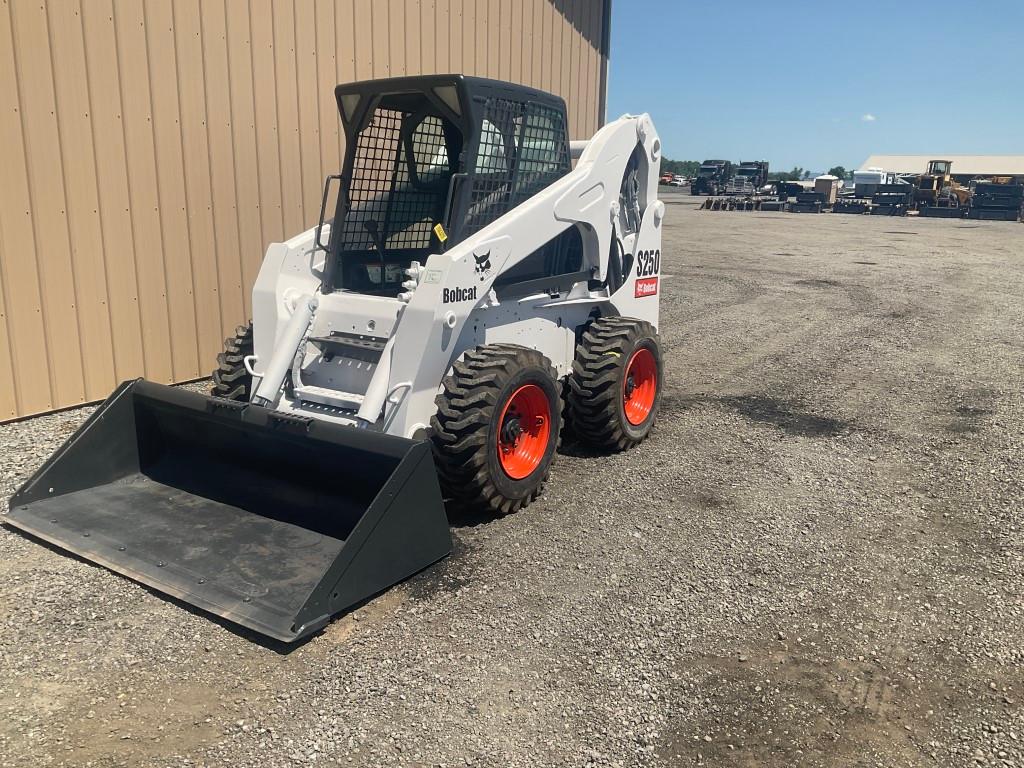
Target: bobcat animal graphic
<point>483,265</point>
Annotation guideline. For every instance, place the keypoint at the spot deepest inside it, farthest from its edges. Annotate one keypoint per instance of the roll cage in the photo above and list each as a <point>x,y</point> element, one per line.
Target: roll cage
<point>429,161</point>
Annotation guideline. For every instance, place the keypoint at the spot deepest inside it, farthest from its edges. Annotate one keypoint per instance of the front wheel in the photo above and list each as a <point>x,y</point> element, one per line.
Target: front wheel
<point>616,382</point>
<point>496,428</point>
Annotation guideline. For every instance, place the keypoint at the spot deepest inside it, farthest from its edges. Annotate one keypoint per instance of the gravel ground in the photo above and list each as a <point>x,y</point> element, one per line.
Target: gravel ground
<point>815,560</point>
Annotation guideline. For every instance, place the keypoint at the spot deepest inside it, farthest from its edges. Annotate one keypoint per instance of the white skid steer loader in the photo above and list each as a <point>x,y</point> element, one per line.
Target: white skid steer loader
<point>470,292</point>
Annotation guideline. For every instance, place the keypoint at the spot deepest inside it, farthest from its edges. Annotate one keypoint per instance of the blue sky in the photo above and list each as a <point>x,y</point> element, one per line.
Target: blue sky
<point>825,83</point>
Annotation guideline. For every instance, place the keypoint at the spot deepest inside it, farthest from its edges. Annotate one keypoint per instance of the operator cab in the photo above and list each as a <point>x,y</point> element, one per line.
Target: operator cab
<point>428,162</point>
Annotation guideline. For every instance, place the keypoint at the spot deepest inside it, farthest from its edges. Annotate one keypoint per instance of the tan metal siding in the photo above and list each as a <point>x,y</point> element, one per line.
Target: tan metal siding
<point>47,205</point>
<point>442,36</point>
<point>308,106</point>
<point>544,56</point>
<point>77,163</point>
<point>495,44</point>
<point>153,148</point>
<point>141,196</point>
<point>425,34</point>
<point>111,182</point>
<point>528,36</point>
<point>395,25</point>
<point>514,42</point>
<point>8,397</point>
<point>242,118</point>
<point>24,323</point>
<point>220,141</point>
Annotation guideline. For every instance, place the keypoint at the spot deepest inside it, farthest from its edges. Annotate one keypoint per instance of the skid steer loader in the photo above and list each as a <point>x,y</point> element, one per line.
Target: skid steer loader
<point>425,342</point>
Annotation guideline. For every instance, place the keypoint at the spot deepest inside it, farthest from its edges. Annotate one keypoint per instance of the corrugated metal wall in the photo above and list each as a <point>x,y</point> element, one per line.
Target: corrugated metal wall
<point>151,149</point>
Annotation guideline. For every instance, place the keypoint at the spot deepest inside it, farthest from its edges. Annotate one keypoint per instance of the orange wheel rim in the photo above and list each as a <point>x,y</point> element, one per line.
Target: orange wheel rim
<point>640,386</point>
<point>524,431</point>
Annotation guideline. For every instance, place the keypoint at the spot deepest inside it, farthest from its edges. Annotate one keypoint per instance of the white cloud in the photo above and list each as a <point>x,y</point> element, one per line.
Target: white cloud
<point>868,118</point>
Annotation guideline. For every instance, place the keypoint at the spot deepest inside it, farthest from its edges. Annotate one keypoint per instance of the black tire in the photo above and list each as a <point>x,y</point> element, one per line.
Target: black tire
<point>598,384</point>
<point>230,380</point>
<point>466,428</point>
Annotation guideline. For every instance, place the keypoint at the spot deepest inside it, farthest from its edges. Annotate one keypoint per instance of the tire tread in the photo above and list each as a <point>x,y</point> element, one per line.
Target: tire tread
<point>230,379</point>
<point>593,390</point>
<point>459,428</point>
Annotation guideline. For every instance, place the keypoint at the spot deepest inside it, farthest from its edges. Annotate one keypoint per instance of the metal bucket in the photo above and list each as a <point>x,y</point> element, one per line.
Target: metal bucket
<point>271,521</point>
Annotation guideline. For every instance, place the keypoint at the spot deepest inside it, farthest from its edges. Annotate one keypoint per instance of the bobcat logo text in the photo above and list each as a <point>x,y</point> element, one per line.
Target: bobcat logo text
<point>453,295</point>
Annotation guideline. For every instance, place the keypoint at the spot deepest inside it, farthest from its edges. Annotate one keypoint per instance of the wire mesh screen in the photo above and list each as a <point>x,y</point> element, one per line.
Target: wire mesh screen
<point>522,149</point>
<point>399,182</point>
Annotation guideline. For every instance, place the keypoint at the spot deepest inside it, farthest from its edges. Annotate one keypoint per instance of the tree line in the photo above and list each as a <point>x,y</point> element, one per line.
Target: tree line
<point>680,167</point>
<point>798,174</point>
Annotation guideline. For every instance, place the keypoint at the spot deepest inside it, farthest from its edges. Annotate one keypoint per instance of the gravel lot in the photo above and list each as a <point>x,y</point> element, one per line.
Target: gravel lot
<point>816,559</point>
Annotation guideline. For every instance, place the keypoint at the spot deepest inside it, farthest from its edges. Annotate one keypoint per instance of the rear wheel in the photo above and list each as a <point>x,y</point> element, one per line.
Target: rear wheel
<point>496,428</point>
<point>616,382</point>
<point>231,380</point>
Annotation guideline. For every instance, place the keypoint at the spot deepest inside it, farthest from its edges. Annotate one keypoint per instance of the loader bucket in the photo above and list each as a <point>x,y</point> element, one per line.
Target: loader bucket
<point>274,522</point>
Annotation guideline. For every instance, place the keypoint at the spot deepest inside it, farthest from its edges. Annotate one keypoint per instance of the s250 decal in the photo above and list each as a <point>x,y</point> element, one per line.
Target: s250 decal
<point>648,263</point>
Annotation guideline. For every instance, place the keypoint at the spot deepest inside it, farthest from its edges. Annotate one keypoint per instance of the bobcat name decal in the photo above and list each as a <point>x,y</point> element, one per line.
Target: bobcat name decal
<point>453,295</point>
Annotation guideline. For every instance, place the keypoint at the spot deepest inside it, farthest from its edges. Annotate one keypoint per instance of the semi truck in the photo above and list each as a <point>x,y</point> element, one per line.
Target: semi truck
<point>712,177</point>
<point>750,176</point>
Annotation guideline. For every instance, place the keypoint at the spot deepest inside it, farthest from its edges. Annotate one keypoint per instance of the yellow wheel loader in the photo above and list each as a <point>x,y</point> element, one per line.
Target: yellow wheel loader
<point>936,187</point>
